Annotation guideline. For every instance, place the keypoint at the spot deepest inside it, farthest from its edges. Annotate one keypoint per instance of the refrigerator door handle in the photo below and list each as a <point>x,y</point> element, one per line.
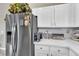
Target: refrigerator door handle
<point>13,40</point>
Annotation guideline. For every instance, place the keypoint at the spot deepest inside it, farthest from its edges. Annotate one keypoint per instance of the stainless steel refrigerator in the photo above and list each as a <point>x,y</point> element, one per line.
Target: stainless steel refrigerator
<point>20,38</point>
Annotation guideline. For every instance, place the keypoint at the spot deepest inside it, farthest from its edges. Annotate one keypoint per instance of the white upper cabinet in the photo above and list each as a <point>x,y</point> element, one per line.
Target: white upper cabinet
<point>71,15</point>
<point>57,16</point>
<point>76,15</point>
<point>62,15</point>
<point>45,17</point>
<point>65,15</point>
<point>35,11</point>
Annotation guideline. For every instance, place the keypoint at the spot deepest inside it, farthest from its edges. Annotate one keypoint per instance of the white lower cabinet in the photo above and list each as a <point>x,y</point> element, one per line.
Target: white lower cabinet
<point>53,51</point>
<point>41,54</point>
<point>43,50</point>
<point>59,51</point>
<point>72,53</point>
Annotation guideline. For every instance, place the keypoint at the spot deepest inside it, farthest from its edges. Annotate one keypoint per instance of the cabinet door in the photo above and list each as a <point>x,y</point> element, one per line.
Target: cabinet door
<point>35,11</point>
<point>62,15</point>
<point>63,52</point>
<point>41,50</point>
<point>59,51</point>
<point>71,15</point>
<point>53,51</point>
<point>41,54</point>
<point>72,53</point>
<point>77,15</point>
<point>45,17</point>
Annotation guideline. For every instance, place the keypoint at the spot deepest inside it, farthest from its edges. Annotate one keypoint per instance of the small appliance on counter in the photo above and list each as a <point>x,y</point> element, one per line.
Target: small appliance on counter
<point>45,35</point>
<point>37,36</point>
<point>58,36</point>
<point>75,35</point>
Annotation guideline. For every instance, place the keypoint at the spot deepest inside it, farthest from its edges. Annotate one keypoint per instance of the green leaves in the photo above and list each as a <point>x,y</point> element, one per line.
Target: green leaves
<point>19,8</point>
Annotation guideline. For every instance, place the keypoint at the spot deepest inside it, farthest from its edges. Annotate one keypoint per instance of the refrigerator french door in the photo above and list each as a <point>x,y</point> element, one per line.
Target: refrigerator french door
<point>20,38</point>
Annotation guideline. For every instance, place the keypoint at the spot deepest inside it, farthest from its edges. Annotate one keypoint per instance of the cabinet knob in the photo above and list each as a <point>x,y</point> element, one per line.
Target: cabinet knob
<point>47,55</point>
<point>59,50</point>
<point>41,48</point>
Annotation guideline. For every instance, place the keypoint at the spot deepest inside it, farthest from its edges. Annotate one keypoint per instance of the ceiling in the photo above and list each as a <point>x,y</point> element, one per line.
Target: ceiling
<point>37,5</point>
<point>33,5</point>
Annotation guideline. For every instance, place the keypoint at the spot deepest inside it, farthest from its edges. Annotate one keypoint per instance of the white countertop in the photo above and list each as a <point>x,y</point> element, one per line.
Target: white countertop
<point>52,42</point>
<point>2,49</point>
<point>63,43</point>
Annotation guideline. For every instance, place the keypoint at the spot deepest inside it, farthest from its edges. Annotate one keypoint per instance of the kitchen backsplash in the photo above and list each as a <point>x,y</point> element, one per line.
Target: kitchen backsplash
<point>62,33</point>
<point>52,36</point>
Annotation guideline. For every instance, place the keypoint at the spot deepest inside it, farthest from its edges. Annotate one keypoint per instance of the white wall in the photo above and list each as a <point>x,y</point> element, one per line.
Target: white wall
<point>2,34</point>
<point>3,11</point>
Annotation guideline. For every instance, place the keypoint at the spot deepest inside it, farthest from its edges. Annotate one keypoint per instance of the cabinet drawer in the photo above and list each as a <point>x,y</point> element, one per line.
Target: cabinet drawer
<point>41,47</point>
<point>41,50</point>
<point>72,53</point>
<point>59,51</point>
<point>41,54</point>
<point>62,50</point>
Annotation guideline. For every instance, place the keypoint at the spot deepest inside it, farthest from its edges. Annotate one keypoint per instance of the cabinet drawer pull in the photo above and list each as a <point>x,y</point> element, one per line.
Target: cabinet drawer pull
<point>40,48</point>
<point>59,50</point>
<point>47,55</point>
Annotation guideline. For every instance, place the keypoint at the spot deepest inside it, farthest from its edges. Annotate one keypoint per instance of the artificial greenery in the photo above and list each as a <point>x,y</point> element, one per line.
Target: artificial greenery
<point>19,8</point>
